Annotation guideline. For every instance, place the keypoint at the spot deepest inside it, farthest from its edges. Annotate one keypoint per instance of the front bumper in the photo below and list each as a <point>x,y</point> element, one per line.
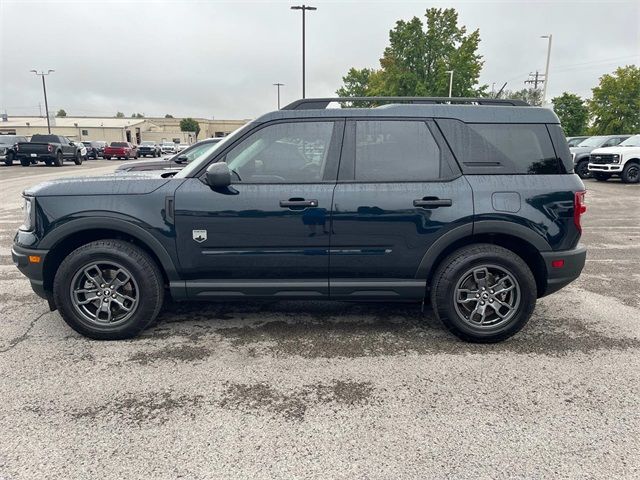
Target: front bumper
<point>605,167</point>
<point>559,277</point>
<point>34,271</point>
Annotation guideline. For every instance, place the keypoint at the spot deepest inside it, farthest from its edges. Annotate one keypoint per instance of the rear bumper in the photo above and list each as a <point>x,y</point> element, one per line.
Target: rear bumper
<point>559,277</point>
<point>33,271</point>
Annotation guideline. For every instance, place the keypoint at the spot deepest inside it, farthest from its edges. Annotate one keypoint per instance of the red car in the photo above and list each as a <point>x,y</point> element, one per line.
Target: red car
<point>124,150</point>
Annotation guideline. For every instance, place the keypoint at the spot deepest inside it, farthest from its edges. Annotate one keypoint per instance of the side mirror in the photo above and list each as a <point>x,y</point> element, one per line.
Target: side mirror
<point>181,159</point>
<point>218,175</point>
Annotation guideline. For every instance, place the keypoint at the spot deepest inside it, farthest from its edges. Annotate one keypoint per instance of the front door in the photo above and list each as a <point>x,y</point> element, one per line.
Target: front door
<point>268,233</point>
<point>398,191</point>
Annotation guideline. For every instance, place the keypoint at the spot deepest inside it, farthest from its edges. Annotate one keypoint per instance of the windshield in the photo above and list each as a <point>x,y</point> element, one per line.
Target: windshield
<point>591,142</point>
<point>631,142</point>
<point>87,144</point>
<point>148,143</point>
<point>118,144</point>
<point>196,165</point>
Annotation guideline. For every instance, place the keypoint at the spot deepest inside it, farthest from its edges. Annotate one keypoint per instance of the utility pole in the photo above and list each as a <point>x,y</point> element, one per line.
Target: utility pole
<point>535,78</point>
<point>450,72</point>
<point>44,88</point>
<point>304,8</point>
<point>279,85</point>
<point>546,70</point>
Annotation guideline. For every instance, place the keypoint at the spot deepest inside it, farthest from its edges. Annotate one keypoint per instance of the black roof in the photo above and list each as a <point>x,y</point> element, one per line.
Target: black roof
<point>472,110</point>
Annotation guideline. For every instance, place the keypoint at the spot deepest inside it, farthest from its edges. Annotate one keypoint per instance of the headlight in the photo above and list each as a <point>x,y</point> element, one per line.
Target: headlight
<point>616,158</point>
<point>29,212</point>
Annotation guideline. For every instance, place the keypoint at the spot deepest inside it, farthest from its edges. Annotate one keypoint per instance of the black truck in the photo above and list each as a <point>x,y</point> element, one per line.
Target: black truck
<point>50,149</point>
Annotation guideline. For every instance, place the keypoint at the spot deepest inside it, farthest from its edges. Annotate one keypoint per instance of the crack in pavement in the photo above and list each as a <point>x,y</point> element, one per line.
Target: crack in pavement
<point>18,340</point>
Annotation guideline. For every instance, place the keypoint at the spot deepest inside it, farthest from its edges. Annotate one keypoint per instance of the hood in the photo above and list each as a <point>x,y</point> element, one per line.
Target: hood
<point>161,162</point>
<point>579,150</point>
<point>614,150</point>
<point>134,183</point>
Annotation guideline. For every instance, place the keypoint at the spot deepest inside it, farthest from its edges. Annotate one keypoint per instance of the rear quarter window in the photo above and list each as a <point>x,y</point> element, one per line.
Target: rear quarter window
<point>502,148</point>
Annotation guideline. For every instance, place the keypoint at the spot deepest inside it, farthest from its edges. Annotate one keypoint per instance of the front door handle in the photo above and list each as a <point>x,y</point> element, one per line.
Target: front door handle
<point>298,203</point>
<point>432,202</point>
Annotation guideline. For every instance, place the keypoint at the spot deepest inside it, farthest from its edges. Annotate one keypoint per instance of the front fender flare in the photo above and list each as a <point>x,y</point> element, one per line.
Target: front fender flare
<point>58,234</point>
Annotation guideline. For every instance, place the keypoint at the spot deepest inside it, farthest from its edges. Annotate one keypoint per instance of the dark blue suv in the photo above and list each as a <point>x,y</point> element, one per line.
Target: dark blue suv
<point>469,203</point>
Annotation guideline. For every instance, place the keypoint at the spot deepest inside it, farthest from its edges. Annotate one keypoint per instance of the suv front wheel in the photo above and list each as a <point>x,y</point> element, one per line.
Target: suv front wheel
<point>483,293</point>
<point>108,290</point>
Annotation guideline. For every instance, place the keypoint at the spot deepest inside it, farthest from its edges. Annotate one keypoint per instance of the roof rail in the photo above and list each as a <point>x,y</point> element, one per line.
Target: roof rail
<point>321,103</point>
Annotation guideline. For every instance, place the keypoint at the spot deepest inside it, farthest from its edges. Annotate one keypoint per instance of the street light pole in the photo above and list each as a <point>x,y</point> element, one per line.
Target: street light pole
<point>450,72</point>
<point>279,85</point>
<point>546,70</point>
<point>304,8</point>
<point>44,88</point>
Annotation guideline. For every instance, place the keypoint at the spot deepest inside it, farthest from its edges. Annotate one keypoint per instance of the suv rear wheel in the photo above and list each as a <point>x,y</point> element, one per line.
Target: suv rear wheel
<point>483,293</point>
<point>108,290</point>
<point>59,160</point>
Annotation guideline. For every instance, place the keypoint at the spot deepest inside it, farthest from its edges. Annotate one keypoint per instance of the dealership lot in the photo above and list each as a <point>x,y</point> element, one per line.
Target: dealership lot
<point>318,390</point>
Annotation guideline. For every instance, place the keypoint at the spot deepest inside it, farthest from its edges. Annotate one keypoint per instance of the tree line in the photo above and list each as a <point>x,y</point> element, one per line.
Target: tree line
<point>419,56</point>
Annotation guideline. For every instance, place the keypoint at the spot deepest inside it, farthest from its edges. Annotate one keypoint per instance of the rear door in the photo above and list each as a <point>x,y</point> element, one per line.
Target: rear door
<point>398,191</point>
<point>268,233</point>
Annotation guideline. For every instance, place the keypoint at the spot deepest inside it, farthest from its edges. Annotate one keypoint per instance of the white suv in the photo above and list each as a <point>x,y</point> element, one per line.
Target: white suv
<point>622,160</point>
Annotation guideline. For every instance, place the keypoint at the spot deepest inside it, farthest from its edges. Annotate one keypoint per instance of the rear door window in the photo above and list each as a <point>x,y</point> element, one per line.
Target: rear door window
<point>507,148</point>
<point>391,151</point>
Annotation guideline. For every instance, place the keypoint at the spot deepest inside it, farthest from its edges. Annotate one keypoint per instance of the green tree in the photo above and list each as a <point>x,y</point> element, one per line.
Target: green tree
<point>418,58</point>
<point>168,116</point>
<point>615,105</point>
<point>189,125</point>
<point>119,115</point>
<point>533,96</point>
<point>61,113</point>
<point>572,112</point>
<point>137,115</point>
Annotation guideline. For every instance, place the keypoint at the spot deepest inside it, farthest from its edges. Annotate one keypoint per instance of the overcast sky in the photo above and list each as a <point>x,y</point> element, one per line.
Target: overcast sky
<point>219,59</point>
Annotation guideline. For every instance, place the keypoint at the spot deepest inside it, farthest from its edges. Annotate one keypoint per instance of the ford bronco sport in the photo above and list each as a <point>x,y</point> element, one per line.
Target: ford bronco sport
<point>469,203</point>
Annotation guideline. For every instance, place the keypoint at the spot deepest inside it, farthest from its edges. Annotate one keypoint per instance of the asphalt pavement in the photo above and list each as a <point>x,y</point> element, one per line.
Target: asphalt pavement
<point>328,390</point>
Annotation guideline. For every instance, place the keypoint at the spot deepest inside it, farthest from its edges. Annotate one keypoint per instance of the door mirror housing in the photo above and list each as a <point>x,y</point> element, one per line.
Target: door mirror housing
<point>218,175</point>
<point>182,159</point>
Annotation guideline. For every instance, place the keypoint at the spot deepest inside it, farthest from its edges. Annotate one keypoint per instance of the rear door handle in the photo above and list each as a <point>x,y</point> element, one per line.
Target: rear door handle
<point>297,203</point>
<point>432,202</point>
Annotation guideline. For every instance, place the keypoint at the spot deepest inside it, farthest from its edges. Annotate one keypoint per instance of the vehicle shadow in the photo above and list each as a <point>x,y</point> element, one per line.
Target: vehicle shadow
<point>335,329</point>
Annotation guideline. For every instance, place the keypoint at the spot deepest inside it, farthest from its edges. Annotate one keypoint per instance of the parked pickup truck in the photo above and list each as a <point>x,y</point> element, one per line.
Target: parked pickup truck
<point>124,150</point>
<point>50,149</point>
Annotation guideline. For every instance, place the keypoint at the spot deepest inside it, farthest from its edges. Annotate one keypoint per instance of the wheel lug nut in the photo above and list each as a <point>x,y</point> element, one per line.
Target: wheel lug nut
<point>102,285</point>
<point>111,287</point>
<point>477,295</point>
<point>491,300</point>
<point>99,293</point>
<point>481,303</point>
<point>490,291</point>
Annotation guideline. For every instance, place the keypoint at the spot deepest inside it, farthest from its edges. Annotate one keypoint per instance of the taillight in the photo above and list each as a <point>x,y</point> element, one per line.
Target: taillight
<point>17,147</point>
<point>50,148</point>
<point>579,208</point>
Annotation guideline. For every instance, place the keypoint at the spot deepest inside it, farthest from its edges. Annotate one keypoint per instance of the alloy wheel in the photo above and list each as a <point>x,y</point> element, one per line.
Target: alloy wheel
<point>104,293</point>
<point>487,296</point>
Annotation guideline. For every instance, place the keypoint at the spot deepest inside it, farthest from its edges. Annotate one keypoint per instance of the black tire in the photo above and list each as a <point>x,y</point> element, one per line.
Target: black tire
<point>139,265</point>
<point>25,162</point>
<point>9,159</point>
<point>601,177</point>
<point>457,267</point>
<point>107,158</point>
<point>582,169</point>
<point>631,173</point>
<point>48,162</point>
<point>78,159</point>
<point>59,160</point>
